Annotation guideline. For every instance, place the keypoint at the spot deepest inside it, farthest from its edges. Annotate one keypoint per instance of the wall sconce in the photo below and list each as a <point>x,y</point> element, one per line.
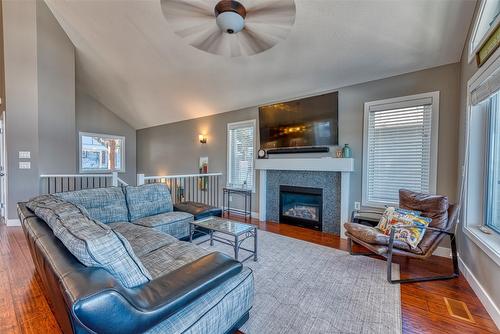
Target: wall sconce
<point>202,138</point>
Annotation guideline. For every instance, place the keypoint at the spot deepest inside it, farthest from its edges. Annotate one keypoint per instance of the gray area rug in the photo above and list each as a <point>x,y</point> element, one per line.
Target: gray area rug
<point>301,287</point>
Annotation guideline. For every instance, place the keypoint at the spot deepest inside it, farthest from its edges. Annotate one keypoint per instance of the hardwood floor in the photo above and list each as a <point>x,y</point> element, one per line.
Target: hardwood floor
<point>24,309</point>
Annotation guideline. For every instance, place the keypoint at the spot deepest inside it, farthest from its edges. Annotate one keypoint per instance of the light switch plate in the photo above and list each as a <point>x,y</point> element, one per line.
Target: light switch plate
<point>357,206</point>
<point>24,155</point>
<point>24,165</point>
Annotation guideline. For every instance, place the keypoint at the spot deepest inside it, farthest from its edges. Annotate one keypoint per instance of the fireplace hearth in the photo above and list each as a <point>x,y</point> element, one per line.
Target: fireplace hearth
<point>301,206</point>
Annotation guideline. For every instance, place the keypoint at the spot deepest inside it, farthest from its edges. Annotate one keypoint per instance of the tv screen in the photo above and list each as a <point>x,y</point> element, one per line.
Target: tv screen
<point>312,121</point>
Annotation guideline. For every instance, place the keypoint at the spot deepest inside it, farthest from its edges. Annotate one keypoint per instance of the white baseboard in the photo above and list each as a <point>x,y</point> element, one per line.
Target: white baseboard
<point>483,296</point>
<point>443,252</point>
<point>13,222</point>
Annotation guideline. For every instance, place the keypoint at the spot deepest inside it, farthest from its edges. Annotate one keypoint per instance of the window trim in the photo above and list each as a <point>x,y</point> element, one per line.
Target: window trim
<point>235,125</point>
<point>93,171</point>
<point>434,142</point>
<point>488,243</point>
<point>472,50</point>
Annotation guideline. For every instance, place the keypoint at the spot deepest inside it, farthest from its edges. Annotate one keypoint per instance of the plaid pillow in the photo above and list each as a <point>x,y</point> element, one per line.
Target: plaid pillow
<point>411,235</point>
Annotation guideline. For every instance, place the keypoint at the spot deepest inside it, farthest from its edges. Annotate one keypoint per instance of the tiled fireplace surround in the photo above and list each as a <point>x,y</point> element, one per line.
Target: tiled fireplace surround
<point>331,193</point>
<point>330,174</point>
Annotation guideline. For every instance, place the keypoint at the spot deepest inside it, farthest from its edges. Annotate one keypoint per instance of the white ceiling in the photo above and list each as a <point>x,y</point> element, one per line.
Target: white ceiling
<point>129,59</point>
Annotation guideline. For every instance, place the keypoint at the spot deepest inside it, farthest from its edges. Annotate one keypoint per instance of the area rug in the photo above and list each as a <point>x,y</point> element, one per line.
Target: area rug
<point>301,287</point>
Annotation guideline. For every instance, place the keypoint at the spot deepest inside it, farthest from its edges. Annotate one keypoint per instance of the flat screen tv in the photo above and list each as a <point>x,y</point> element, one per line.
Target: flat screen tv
<point>308,122</point>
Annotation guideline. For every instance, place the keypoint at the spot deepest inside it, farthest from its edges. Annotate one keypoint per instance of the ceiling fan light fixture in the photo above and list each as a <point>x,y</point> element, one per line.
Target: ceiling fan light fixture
<point>230,16</point>
<point>230,22</point>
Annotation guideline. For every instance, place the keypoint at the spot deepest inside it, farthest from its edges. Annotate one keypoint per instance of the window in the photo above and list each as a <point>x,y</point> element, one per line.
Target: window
<point>493,168</point>
<point>486,21</point>
<point>240,161</point>
<point>101,153</point>
<point>400,147</point>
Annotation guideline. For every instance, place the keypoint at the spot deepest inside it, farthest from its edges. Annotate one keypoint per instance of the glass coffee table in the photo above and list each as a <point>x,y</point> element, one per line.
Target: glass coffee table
<point>236,233</point>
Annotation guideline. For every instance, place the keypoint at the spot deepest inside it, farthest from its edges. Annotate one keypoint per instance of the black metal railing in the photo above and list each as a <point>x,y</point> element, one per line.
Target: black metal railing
<point>201,188</point>
<point>56,183</point>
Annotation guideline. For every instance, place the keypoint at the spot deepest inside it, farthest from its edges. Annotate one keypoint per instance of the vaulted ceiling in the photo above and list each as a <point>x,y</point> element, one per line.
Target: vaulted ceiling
<point>130,60</point>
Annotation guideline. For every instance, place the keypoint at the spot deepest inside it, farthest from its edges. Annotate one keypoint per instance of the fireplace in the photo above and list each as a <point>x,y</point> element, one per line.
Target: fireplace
<point>301,206</point>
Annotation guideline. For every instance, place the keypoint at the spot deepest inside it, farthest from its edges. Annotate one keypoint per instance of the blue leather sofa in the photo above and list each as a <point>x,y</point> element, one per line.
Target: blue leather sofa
<point>108,276</point>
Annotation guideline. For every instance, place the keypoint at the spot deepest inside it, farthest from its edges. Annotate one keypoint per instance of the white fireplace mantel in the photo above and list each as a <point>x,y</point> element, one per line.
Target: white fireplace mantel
<point>325,164</point>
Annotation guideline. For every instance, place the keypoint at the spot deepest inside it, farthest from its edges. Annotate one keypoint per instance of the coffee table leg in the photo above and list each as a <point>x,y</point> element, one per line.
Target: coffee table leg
<point>211,237</point>
<point>191,233</point>
<point>236,247</point>
<point>255,245</point>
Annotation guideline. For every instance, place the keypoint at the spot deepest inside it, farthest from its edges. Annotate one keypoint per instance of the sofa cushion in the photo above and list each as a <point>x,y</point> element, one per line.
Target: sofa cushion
<point>148,200</point>
<point>94,244</point>
<point>142,239</point>
<point>174,223</point>
<point>106,205</point>
<point>171,257</point>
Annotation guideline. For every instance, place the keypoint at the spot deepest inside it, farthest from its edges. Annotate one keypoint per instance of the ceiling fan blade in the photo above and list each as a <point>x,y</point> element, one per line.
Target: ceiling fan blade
<point>274,31</point>
<point>205,41</point>
<point>173,9</point>
<point>193,30</point>
<point>272,7</point>
<point>253,42</point>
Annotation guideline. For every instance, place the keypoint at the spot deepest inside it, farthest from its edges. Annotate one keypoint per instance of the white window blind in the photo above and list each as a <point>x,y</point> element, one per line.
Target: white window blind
<point>398,149</point>
<point>240,138</point>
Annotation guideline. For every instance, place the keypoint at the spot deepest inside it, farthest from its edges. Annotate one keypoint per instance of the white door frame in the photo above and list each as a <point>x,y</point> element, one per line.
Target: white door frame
<point>3,169</point>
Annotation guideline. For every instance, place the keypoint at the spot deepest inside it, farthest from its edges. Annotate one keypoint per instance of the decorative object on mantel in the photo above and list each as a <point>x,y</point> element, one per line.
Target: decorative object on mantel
<point>202,138</point>
<point>339,153</point>
<point>346,151</point>
<point>231,28</point>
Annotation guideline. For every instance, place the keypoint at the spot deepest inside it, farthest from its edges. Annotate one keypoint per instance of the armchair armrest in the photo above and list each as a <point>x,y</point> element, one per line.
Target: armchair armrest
<point>118,310</point>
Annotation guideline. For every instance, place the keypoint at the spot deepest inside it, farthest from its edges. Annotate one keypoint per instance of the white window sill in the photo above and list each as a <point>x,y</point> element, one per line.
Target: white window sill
<point>489,243</point>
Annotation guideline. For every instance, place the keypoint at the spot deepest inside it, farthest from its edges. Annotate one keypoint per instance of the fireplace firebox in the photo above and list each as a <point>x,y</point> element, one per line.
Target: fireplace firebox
<point>301,206</point>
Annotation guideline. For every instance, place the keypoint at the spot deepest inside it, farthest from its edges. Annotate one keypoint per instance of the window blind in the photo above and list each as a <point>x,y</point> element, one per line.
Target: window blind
<point>241,154</point>
<point>399,149</point>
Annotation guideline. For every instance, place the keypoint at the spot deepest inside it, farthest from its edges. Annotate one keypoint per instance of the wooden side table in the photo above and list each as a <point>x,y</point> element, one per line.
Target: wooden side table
<point>247,198</point>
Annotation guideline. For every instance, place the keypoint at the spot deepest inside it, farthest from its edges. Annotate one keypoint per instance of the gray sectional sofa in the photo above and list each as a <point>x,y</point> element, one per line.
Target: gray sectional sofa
<point>111,262</point>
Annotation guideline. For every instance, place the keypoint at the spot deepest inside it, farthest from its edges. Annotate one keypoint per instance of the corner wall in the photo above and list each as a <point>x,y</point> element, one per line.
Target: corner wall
<point>40,98</point>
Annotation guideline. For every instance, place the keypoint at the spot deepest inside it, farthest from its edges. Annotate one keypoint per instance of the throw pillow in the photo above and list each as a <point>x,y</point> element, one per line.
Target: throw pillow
<point>411,235</point>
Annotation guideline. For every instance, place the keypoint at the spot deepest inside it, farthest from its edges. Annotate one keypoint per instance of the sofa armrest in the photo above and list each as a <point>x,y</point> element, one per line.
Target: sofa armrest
<point>138,309</point>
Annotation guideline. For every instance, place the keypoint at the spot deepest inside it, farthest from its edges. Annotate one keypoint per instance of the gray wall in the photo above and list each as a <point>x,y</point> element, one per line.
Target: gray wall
<point>40,76</point>
<point>56,95</point>
<point>174,148</point>
<point>92,116</point>
<point>486,271</point>
<point>21,98</point>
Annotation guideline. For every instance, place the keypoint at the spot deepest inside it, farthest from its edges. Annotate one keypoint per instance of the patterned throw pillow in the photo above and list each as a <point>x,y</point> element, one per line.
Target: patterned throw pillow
<point>411,235</point>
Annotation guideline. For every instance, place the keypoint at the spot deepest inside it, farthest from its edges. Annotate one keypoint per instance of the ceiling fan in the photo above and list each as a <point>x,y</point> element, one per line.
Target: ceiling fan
<point>229,27</point>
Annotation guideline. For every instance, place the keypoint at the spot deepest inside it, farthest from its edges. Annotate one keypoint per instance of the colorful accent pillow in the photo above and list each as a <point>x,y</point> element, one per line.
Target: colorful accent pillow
<point>411,235</point>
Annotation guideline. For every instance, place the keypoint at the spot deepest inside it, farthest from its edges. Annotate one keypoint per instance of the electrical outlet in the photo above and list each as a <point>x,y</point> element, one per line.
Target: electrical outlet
<point>357,206</point>
<point>24,165</point>
<point>24,155</point>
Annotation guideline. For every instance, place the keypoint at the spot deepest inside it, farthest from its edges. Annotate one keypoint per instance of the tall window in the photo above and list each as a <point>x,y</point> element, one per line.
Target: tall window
<point>400,147</point>
<point>240,162</point>
<point>101,153</point>
<point>493,168</point>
